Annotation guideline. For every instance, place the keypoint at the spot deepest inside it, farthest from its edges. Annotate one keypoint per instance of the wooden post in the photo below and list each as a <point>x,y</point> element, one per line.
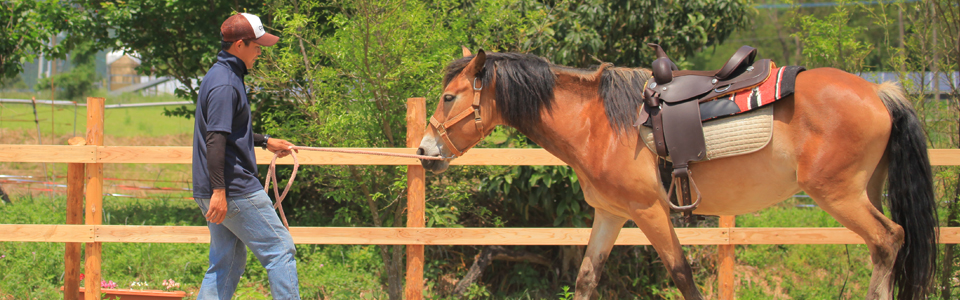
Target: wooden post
<point>71,253</point>
<point>728,259</point>
<point>94,196</point>
<point>416,121</point>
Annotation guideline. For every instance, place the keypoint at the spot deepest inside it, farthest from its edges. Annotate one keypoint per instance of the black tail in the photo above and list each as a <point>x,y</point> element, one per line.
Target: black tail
<point>910,192</point>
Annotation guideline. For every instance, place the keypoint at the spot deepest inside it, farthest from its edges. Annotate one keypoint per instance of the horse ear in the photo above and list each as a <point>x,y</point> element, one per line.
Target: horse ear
<point>466,51</point>
<point>476,64</point>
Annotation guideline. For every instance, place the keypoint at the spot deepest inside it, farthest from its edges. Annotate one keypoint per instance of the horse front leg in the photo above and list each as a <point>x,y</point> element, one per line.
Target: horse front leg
<point>654,221</point>
<point>606,228</point>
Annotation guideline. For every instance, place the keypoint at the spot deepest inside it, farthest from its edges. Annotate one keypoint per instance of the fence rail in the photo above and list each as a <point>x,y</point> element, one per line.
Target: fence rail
<point>443,236</point>
<point>183,155</point>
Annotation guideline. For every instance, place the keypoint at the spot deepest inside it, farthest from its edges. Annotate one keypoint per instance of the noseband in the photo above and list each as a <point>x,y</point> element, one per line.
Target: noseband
<point>441,127</point>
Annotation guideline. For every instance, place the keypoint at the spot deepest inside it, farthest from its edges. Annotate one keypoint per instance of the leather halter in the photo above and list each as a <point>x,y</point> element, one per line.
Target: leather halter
<point>474,108</point>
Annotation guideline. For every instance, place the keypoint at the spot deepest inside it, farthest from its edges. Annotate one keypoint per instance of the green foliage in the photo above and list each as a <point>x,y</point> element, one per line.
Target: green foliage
<point>34,270</point>
<point>541,192</point>
<point>800,271</point>
<point>566,293</point>
<point>177,38</point>
<point>350,73</point>
<point>28,27</point>
<point>78,82</point>
<point>831,41</point>
<point>618,31</point>
<point>15,82</point>
<point>476,291</point>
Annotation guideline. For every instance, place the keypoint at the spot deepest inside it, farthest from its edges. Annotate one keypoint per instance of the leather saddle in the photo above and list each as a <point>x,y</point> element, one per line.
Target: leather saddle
<point>674,103</point>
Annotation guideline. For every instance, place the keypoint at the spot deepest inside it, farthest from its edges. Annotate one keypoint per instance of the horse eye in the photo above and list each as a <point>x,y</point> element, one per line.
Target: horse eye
<point>448,98</point>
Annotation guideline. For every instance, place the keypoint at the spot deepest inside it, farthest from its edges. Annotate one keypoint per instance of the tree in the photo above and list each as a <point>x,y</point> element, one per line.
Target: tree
<point>28,26</point>
<point>932,44</point>
<point>77,82</point>
<point>176,38</point>
<point>832,42</point>
<point>618,31</point>
<point>350,76</point>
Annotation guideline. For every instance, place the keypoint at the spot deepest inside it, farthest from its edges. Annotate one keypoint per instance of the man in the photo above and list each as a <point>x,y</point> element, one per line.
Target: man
<point>238,211</point>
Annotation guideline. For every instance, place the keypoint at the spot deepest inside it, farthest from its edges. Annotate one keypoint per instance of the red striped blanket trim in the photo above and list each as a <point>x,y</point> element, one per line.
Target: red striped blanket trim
<point>766,93</point>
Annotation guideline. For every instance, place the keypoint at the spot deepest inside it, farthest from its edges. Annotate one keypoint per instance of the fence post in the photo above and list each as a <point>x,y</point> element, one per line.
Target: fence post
<point>71,253</point>
<point>416,121</point>
<point>728,259</point>
<point>94,196</point>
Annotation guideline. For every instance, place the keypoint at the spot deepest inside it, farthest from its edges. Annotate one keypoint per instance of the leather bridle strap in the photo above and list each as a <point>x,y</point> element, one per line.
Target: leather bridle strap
<point>474,109</point>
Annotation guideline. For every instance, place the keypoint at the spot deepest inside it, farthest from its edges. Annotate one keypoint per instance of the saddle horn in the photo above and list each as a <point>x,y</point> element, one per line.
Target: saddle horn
<point>662,67</point>
<point>658,49</point>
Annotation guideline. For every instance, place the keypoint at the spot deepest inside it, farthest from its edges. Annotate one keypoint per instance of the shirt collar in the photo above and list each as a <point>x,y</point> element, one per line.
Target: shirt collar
<point>235,63</point>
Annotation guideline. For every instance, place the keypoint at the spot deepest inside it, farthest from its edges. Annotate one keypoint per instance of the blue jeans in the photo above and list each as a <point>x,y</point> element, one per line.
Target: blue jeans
<point>250,222</point>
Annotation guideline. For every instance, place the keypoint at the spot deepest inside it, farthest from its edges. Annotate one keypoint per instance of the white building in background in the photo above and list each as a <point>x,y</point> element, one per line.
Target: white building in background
<point>116,69</point>
<point>122,76</point>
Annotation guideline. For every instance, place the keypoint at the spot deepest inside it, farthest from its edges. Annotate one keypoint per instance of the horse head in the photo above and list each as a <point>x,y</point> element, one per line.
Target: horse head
<point>465,113</point>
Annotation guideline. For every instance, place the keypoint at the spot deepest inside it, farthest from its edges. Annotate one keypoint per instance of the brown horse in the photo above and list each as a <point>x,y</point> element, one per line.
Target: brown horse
<point>837,138</point>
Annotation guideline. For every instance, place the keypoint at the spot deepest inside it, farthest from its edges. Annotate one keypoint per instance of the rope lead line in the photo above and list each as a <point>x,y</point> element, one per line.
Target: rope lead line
<point>272,171</point>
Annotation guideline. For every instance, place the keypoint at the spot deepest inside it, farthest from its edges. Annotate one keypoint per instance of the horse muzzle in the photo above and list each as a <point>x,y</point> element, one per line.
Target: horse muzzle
<point>429,147</point>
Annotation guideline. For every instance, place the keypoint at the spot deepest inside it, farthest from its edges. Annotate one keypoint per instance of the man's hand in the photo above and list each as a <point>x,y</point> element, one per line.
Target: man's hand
<point>280,147</point>
<point>218,206</point>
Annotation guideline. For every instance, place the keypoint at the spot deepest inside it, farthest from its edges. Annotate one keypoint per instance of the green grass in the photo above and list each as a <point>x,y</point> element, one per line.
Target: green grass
<point>35,270</point>
<point>800,271</point>
<point>123,122</point>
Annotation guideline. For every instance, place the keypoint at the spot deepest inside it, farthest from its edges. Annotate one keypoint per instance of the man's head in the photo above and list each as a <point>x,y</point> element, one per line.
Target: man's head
<point>242,35</point>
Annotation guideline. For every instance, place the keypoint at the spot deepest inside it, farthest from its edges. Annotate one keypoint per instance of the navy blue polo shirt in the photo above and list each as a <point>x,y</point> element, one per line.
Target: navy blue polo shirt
<point>222,105</point>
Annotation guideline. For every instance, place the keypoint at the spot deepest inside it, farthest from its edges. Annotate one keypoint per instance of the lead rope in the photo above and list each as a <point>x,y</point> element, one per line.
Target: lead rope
<point>272,171</point>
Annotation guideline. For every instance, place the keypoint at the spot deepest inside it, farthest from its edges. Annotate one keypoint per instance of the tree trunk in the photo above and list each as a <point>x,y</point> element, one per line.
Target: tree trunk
<point>488,255</point>
<point>781,37</point>
<point>902,50</point>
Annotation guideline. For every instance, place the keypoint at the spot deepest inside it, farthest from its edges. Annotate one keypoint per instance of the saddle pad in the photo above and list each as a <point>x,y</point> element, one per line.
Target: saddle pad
<point>734,135</point>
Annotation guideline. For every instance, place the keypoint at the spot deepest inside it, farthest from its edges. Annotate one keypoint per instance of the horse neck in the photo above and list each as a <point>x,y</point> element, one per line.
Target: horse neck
<point>577,125</point>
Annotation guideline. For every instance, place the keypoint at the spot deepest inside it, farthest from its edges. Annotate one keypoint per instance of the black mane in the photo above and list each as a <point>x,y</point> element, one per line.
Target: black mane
<point>622,93</point>
<point>525,86</point>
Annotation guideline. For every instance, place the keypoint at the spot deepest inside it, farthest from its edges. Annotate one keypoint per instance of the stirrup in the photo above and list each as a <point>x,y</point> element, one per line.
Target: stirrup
<point>673,181</point>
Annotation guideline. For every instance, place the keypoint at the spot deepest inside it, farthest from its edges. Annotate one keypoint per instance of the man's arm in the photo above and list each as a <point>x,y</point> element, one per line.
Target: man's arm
<point>219,111</point>
<point>216,148</point>
<point>216,152</point>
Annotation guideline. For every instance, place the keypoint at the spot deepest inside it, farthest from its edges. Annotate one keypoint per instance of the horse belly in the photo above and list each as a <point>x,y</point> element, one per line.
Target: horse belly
<point>746,183</point>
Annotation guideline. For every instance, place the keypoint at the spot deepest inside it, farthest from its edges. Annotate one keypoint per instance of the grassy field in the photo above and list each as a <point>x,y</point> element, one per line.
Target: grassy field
<point>34,270</point>
<point>138,126</point>
<point>800,271</point>
<point>123,122</point>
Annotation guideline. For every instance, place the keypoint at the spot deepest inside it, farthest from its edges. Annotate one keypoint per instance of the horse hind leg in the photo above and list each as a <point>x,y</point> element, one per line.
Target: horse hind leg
<point>606,228</point>
<point>882,236</point>
<point>654,221</point>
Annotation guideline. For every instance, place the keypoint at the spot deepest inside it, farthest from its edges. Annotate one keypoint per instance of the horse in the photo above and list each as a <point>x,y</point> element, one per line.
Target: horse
<point>838,138</point>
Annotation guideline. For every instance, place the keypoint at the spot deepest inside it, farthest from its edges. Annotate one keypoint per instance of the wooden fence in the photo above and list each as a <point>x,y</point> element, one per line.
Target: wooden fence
<point>85,180</point>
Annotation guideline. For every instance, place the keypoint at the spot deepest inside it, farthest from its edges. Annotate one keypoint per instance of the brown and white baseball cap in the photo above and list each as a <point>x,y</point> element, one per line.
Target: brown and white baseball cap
<point>244,26</point>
